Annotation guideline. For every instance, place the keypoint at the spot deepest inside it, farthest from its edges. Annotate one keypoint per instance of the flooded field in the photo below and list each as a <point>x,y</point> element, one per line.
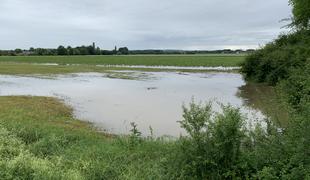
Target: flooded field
<point>150,99</point>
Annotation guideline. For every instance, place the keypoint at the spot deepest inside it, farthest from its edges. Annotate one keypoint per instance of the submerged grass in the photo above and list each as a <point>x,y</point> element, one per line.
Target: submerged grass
<point>265,99</point>
<point>10,68</point>
<point>180,60</point>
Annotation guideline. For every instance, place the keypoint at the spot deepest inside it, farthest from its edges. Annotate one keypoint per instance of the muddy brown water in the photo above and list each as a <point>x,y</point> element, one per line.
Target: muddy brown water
<point>150,99</point>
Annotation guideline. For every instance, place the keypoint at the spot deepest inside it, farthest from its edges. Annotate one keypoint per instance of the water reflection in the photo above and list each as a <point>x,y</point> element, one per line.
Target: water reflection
<point>264,98</point>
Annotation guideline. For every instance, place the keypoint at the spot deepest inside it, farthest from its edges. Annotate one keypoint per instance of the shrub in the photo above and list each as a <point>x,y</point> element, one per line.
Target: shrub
<point>277,59</point>
<point>212,147</point>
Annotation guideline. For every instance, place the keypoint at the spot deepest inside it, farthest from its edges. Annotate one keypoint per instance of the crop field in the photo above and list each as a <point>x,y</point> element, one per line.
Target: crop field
<point>147,60</point>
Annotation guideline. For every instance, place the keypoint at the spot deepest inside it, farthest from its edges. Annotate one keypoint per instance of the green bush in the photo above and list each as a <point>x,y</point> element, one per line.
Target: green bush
<point>212,148</point>
<point>284,63</point>
<point>277,59</point>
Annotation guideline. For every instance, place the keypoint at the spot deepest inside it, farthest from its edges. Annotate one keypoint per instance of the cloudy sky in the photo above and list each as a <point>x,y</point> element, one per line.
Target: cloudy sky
<point>141,24</point>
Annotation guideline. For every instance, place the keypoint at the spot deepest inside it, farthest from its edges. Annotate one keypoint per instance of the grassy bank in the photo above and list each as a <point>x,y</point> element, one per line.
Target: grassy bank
<point>41,140</point>
<point>180,60</point>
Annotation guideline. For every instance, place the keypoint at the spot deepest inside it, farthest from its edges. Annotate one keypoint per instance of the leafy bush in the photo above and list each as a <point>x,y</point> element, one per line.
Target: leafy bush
<point>286,64</point>
<point>212,148</point>
<point>276,60</point>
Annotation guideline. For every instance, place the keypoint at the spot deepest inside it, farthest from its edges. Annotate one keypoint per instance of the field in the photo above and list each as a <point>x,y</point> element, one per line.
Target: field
<point>148,60</point>
<point>22,65</point>
<point>40,138</point>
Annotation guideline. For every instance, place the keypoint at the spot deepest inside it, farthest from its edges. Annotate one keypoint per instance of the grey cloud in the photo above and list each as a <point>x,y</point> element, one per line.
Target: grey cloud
<point>141,24</point>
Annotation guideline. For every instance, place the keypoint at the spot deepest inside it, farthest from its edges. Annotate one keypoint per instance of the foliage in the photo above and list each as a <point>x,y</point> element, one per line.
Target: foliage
<point>135,137</point>
<point>285,63</point>
<point>92,50</point>
<point>123,50</point>
<point>276,60</point>
<point>62,51</point>
<point>301,13</point>
<point>212,149</point>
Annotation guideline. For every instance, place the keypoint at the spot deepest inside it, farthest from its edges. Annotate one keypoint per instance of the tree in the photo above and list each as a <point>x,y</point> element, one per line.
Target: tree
<point>83,50</point>
<point>90,50</point>
<point>123,50</point>
<point>115,50</point>
<point>97,51</point>
<point>70,50</point>
<point>40,51</point>
<point>61,50</point>
<point>301,13</point>
<point>76,51</point>
<point>18,51</point>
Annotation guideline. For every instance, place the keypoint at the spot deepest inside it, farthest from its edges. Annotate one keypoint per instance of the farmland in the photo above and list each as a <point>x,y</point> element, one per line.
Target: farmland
<point>147,60</point>
<point>166,90</point>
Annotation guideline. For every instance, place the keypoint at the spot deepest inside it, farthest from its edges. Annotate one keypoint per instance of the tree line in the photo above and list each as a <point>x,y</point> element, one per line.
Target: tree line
<point>64,51</point>
<point>92,50</point>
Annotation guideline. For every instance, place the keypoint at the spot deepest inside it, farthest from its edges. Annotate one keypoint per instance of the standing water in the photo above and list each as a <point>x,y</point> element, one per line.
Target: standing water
<point>150,99</point>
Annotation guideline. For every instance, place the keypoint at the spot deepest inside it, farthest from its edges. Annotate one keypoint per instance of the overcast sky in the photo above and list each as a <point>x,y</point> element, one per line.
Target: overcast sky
<point>141,24</point>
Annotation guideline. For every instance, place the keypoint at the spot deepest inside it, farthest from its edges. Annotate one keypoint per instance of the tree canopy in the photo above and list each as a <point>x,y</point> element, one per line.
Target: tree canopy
<point>301,13</point>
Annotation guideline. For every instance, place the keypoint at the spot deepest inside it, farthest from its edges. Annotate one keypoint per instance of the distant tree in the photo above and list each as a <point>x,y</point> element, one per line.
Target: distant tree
<point>40,51</point>
<point>76,51</point>
<point>98,51</point>
<point>123,50</point>
<point>115,50</point>
<point>52,52</point>
<point>90,50</point>
<point>70,50</point>
<point>18,51</point>
<point>83,50</point>
<point>106,52</point>
<point>61,50</point>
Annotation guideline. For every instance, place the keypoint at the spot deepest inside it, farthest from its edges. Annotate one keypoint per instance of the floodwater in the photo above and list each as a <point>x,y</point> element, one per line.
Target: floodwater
<point>150,99</point>
<point>217,68</point>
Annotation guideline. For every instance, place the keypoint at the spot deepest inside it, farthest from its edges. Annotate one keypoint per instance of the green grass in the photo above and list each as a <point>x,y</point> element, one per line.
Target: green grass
<point>11,68</point>
<point>24,65</point>
<point>39,139</point>
<point>171,60</point>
